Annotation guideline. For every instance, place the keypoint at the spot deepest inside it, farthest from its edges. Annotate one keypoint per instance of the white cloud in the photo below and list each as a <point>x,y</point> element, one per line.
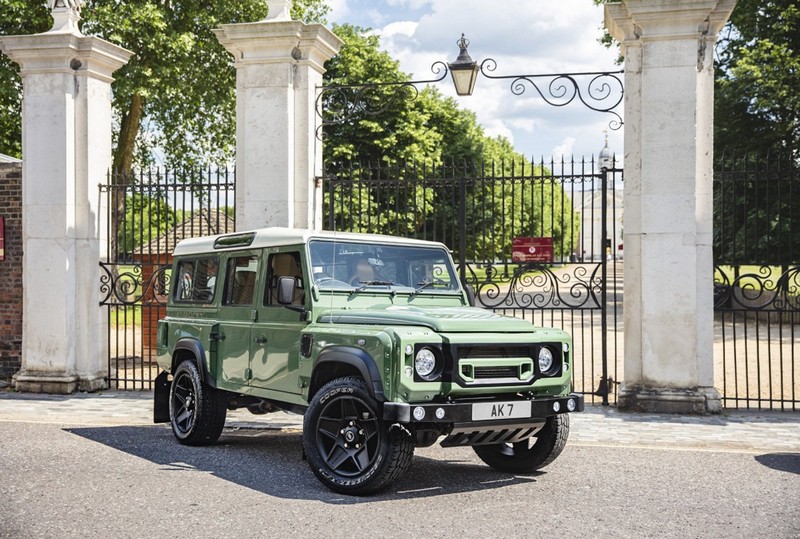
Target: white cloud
<point>566,148</point>
<point>340,10</point>
<point>399,28</point>
<point>409,4</point>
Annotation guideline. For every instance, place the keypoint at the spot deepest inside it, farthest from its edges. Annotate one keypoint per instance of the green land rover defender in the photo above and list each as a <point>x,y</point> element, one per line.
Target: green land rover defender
<point>372,338</point>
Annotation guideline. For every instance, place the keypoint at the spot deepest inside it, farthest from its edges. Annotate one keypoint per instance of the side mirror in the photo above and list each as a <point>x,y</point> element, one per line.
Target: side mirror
<point>470,293</point>
<point>286,286</point>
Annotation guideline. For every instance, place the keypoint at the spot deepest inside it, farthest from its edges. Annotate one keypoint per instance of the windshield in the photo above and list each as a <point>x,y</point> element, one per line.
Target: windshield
<point>375,267</point>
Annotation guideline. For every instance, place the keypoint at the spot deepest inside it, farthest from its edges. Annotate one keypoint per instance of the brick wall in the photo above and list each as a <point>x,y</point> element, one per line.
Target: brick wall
<point>11,270</point>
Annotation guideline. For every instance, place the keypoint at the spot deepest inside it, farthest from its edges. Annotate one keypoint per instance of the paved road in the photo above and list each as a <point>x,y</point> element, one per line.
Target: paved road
<point>92,466</point>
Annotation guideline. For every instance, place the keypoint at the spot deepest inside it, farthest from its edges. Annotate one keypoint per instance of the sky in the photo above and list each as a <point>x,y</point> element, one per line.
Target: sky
<point>523,37</point>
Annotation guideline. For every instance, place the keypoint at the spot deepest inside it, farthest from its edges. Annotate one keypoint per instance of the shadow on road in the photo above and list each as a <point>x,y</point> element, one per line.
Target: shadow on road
<point>783,462</point>
<point>270,462</point>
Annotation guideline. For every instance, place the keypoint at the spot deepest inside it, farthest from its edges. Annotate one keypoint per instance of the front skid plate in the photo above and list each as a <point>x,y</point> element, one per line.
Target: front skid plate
<point>473,434</point>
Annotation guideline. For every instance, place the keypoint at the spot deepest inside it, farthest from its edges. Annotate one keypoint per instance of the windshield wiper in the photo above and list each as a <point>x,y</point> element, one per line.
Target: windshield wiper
<point>422,286</point>
<point>365,284</point>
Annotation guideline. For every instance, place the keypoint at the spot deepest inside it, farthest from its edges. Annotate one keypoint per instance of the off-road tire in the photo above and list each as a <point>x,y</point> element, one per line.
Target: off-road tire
<point>196,410</point>
<point>348,446</point>
<point>528,455</point>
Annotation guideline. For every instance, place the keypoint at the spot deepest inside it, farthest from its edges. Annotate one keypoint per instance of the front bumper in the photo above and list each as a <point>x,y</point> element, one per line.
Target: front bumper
<point>461,413</point>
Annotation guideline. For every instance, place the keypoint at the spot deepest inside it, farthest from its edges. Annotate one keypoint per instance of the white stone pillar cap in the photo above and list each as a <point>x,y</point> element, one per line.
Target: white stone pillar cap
<point>279,10</point>
<point>66,14</point>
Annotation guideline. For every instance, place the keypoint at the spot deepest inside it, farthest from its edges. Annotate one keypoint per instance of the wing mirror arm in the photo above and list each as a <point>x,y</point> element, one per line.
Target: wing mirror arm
<point>286,291</point>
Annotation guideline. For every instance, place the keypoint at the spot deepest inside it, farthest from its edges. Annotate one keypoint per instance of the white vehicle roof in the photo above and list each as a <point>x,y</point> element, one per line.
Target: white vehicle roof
<point>277,236</point>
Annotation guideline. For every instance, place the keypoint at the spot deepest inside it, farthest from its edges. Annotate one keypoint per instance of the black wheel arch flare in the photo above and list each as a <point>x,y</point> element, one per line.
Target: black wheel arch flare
<point>195,349</point>
<point>349,356</point>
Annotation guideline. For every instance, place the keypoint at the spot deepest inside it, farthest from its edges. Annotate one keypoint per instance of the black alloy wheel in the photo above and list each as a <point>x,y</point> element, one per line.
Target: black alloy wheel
<point>348,446</point>
<point>196,410</point>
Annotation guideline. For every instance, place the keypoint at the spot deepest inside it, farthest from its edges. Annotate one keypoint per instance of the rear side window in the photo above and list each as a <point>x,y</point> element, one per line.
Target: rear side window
<point>240,280</point>
<point>196,280</point>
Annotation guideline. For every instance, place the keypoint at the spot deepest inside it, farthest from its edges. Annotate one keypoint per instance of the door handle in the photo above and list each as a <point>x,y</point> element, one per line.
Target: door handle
<point>260,340</point>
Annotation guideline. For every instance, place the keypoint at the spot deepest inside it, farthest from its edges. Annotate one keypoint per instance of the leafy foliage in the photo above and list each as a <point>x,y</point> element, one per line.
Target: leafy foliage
<point>177,91</point>
<point>146,218</point>
<point>757,102</point>
<point>757,135</point>
<point>16,17</point>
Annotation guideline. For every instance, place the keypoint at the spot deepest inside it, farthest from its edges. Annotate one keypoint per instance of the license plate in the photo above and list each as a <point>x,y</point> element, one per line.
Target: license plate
<point>501,410</point>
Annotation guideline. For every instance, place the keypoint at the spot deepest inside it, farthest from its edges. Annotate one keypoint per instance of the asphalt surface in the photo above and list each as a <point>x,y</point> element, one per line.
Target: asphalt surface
<point>93,466</point>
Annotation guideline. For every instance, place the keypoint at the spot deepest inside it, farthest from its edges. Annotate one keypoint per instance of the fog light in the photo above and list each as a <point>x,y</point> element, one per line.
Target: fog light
<point>409,372</point>
<point>571,405</point>
<point>556,406</point>
<point>440,413</point>
<point>419,413</point>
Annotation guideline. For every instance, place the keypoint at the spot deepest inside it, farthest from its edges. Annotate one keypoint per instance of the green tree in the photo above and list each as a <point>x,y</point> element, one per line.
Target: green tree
<point>757,135</point>
<point>376,124</point>
<point>757,102</point>
<point>177,91</point>
<point>146,218</point>
<point>16,17</point>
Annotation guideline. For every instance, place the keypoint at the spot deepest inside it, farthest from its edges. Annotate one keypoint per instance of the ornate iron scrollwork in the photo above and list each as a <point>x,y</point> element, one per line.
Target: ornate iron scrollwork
<point>536,286</point>
<point>129,287</point>
<point>766,288</point>
<point>598,91</point>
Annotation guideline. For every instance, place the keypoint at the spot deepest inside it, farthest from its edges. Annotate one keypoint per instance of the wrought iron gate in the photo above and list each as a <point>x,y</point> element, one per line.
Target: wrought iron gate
<point>757,282</point>
<point>148,213</point>
<point>479,210</point>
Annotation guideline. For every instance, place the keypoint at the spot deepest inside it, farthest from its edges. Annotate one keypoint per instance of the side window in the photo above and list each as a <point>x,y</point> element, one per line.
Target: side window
<point>240,280</point>
<point>196,280</point>
<point>284,265</point>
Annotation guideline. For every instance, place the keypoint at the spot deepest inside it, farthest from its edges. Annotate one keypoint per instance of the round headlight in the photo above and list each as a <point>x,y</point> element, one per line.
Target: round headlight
<point>545,359</point>
<point>425,362</point>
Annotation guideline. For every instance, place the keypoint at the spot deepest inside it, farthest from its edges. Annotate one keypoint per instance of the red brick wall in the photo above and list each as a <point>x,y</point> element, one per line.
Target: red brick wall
<point>11,270</point>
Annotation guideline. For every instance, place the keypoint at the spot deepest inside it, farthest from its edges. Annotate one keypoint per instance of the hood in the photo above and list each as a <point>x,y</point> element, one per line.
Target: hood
<point>441,319</point>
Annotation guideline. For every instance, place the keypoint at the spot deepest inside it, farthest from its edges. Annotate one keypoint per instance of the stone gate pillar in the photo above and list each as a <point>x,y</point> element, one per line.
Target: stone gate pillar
<point>66,150</point>
<point>279,65</point>
<point>669,102</point>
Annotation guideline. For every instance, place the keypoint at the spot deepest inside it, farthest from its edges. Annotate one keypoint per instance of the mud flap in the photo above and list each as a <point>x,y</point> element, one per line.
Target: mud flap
<point>161,398</point>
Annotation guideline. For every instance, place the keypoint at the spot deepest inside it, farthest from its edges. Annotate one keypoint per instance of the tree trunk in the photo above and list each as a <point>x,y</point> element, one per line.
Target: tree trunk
<point>121,171</point>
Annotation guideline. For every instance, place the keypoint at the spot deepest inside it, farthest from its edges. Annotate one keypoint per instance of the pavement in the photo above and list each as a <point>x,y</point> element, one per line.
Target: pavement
<point>754,431</point>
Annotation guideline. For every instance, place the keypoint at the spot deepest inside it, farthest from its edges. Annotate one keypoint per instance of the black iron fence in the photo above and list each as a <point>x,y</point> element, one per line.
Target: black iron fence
<point>538,241</point>
<point>490,214</point>
<point>757,282</point>
<point>148,213</point>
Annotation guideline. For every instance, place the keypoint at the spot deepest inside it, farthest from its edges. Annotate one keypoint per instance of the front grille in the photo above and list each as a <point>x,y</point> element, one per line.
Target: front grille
<point>493,352</point>
<point>483,373</point>
<point>495,364</point>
